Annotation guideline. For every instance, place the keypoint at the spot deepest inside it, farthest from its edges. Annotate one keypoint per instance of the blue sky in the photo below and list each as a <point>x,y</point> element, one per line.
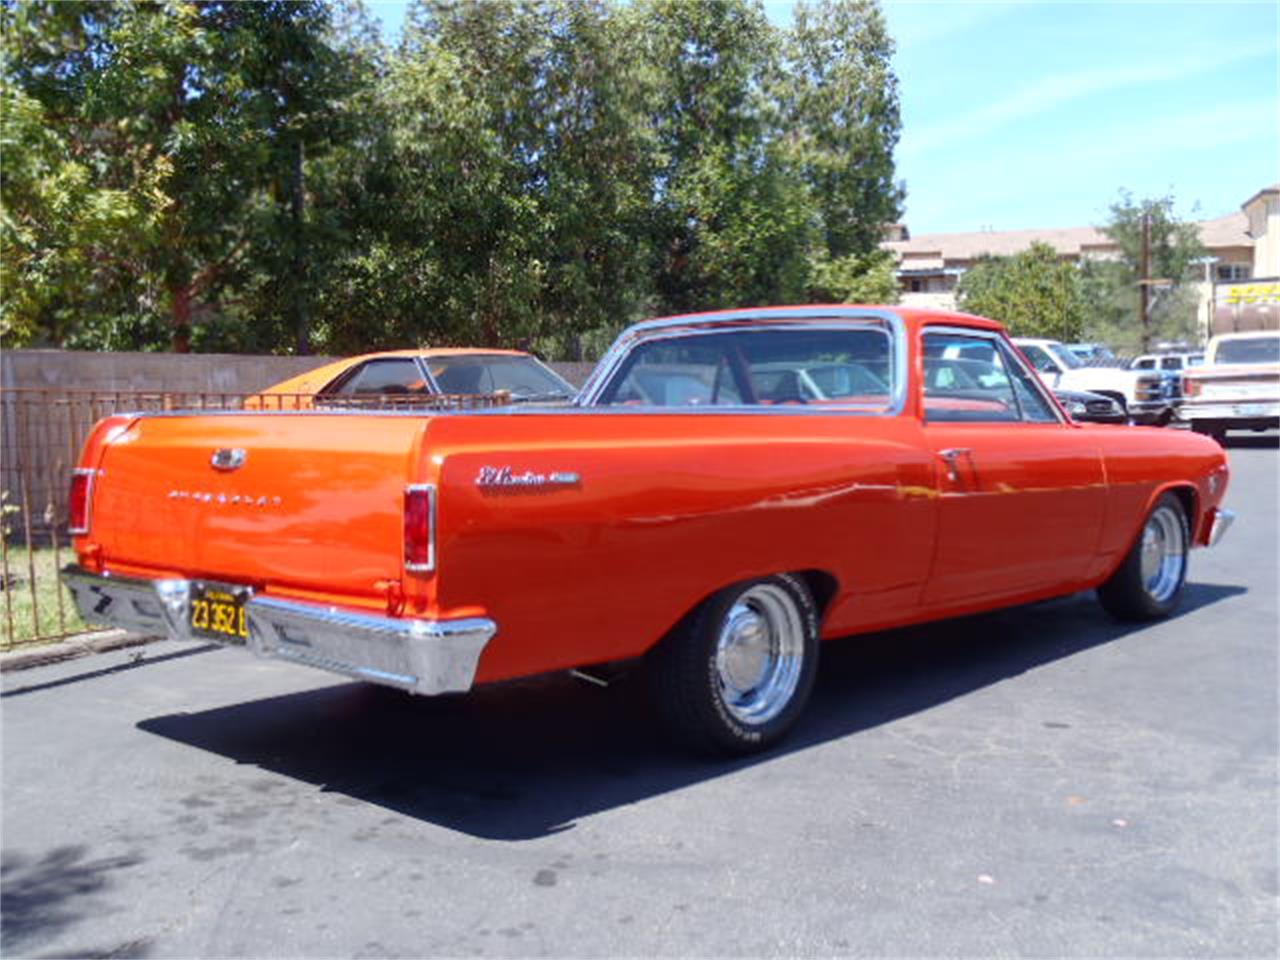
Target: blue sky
<point>1036,114</point>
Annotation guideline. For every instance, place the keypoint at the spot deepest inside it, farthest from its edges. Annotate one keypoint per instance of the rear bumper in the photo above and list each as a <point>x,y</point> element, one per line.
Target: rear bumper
<point>1243,412</point>
<point>421,656</point>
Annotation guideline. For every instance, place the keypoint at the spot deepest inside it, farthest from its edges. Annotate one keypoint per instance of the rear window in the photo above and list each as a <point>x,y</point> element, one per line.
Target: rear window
<point>1251,350</point>
<point>523,377</point>
<point>849,366</point>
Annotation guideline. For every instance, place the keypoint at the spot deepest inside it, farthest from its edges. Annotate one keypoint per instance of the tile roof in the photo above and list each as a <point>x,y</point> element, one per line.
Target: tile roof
<point>1226,231</point>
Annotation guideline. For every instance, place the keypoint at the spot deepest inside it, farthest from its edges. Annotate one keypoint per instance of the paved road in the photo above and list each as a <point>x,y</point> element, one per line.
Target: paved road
<point>1034,782</point>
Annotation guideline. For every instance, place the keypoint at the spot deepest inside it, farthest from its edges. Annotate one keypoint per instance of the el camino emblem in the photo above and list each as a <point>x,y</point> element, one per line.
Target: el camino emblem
<point>228,458</point>
<point>505,478</point>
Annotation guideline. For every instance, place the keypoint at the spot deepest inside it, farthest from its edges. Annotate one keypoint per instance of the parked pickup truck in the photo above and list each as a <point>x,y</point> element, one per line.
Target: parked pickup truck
<point>698,507</point>
<point>1238,387</point>
<point>1148,396</point>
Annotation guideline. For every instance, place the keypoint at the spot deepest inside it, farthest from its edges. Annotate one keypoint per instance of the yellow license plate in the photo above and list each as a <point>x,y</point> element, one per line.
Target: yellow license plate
<point>218,613</point>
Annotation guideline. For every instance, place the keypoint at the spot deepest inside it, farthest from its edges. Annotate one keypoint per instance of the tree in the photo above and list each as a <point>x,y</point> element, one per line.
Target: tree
<point>215,175</point>
<point>839,119</point>
<point>870,278</point>
<point>732,219</point>
<point>1033,293</point>
<point>167,122</point>
<point>1110,287</point>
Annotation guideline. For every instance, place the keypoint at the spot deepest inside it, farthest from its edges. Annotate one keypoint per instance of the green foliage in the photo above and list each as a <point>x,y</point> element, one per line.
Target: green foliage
<point>1033,293</point>
<point>838,99</point>
<point>1110,287</point>
<point>269,177</point>
<point>869,278</point>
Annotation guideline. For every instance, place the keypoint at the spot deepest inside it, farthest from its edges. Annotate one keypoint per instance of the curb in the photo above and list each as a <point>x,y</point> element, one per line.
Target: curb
<point>83,645</point>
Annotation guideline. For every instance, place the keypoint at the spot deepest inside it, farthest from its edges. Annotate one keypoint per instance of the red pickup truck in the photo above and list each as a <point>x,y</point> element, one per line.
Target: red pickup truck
<point>727,491</point>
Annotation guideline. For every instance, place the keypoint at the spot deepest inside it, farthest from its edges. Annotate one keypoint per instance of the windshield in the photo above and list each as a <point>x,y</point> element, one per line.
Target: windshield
<point>523,377</point>
<point>1065,356</point>
<point>1251,350</point>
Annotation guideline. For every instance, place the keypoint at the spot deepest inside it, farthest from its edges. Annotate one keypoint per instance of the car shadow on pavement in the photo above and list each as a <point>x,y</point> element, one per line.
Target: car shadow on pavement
<point>526,759</point>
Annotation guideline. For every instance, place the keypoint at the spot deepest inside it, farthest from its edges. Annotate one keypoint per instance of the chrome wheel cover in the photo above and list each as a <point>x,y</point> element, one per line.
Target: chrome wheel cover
<point>1164,553</point>
<point>759,654</point>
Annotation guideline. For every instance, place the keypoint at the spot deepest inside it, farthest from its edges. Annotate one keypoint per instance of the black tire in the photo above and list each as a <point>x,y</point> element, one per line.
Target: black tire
<point>1149,581</point>
<point>692,671</point>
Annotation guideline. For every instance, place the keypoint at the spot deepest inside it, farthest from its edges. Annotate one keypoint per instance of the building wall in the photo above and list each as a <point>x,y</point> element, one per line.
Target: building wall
<point>1264,225</point>
<point>928,301</point>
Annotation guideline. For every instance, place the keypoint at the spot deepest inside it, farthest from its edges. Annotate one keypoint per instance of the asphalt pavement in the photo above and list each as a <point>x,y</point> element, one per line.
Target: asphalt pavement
<point>1034,782</point>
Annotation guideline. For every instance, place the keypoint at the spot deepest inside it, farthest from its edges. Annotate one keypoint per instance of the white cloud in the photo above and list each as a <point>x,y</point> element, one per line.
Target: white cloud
<point>915,23</point>
<point>1049,92</point>
<point>1193,131</point>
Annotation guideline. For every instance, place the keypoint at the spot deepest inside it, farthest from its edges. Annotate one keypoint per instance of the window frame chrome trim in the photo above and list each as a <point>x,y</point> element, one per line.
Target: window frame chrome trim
<point>425,370</point>
<point>1015,353</point>
<point>430,565</point>
<point>828,318</point>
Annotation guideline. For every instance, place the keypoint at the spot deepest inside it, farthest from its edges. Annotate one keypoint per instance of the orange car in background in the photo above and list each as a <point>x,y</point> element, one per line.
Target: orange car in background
<point>409,376</point>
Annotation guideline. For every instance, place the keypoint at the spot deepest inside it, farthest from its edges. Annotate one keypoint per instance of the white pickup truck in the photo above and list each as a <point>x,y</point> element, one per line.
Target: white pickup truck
<point>1238,388</point>
<point>1147,396</point>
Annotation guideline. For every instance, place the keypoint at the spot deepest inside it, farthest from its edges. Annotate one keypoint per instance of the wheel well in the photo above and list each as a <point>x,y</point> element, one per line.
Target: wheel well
<point>822,587</point>
<point>1190,502</point>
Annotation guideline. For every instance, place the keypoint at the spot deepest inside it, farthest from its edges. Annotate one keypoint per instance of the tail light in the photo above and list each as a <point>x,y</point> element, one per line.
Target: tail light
<point>79,500</point>
<point>420,527</point>
<point>1191,387</point>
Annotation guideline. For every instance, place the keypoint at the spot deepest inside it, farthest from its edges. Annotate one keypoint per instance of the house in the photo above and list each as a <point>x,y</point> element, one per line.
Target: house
<point>1242,248</point>
<point>1252,302</point>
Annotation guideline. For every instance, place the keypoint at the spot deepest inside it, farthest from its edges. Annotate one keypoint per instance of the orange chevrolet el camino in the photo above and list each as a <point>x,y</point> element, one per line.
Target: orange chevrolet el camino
<point>728,490</point>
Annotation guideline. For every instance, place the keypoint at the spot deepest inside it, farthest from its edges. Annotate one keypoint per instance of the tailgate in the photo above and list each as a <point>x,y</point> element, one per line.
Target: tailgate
<point>1238,382</point>
<point>315,504</point>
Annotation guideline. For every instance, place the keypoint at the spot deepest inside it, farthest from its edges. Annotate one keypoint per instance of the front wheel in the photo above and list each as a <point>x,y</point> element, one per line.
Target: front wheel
<point>1148,584</point>
<point>735,675</point>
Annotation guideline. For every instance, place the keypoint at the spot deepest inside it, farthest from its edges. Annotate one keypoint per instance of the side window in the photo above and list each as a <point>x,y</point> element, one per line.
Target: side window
<point>1032,405</point>
<point>383,377</point>
<point>1146,363</point>
<point>1040,359</point>
<point>1171,363</point>
<point>973,379</point>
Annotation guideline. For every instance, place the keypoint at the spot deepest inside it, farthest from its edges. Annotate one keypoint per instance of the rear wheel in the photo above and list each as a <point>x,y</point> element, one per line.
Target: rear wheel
<point>735,675</point>
<point>1149,582</point>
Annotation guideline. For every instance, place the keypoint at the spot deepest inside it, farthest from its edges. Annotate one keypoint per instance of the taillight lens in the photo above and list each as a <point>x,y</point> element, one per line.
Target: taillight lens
<point>420,527</point>
<point>79,500</point>
<point>1190,387</point>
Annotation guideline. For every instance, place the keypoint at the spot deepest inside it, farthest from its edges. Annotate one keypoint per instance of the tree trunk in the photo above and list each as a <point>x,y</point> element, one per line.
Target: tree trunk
<point>181,297</point>
<point>301,315</point>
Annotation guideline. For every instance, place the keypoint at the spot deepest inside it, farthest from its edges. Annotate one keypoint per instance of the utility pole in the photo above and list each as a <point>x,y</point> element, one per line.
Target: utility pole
<point>1144,282</point>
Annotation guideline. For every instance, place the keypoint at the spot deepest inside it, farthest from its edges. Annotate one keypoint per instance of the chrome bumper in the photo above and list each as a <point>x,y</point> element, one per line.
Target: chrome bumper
<point>422,656</point>
<point>1222,520</point>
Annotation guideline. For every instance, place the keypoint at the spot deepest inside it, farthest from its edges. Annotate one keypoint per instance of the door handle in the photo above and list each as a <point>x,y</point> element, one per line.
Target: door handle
<point>953,456</point>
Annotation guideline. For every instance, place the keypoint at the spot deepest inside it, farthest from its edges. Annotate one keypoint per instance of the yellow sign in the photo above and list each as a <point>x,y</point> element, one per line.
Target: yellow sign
<point>1250,293</point>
